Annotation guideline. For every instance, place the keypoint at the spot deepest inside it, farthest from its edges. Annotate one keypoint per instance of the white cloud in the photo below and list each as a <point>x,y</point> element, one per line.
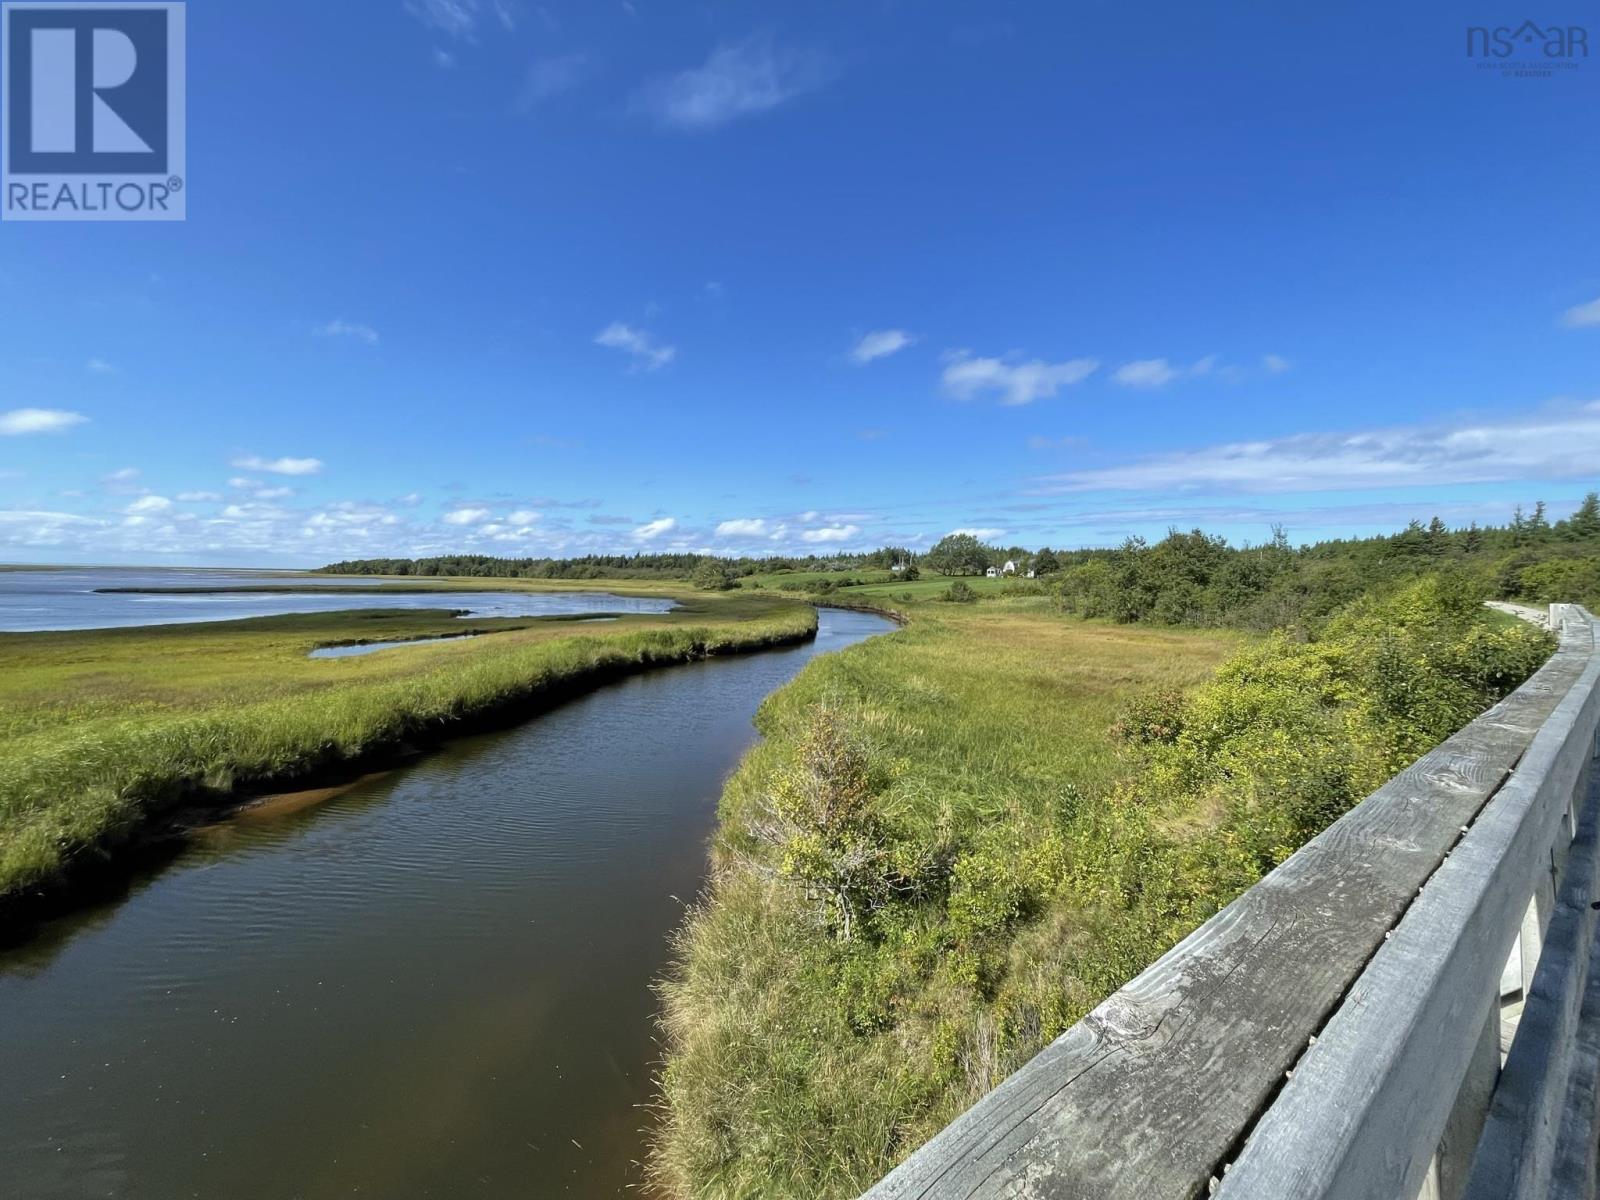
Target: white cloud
<point>1147,372</point>
<point>273,493</point>
<point>830,533</point>
<point>522,517</point>
<point>880,344</point>
<point>648,354</point>
<point>1555,444</point>
<point>199,497</point>
<point>983,535</point>
<point>461,18</point>
<point>20,517</point>
<point>278,466</point>
<point>145,505</point>
<point>99,366</point>
<point>742,527</point>
<point>38,420</point>
<point>737,80</point>
<point>655,529</point>
<point>341,328</point>
<point>966,377</point>
<point>1580,315</point>
<point>466,516</point>
<point>121,475</point>
<point>443,59</point>
<point>1158,372</point>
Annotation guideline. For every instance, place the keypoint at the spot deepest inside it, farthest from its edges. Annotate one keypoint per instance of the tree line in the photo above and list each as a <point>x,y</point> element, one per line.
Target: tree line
<point>1188,577</point>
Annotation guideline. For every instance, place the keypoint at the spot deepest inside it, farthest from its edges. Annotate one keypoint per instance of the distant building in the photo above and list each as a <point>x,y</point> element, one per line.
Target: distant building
<point>1009,569</point>
<point>992,573</point>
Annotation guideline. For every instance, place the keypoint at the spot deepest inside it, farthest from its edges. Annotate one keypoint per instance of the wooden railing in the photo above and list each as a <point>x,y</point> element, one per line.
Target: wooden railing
<point>1404,1008</point>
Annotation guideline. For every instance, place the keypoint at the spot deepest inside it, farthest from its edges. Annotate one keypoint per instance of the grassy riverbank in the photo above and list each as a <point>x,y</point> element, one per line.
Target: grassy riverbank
<point>101,729</point>
<point>802,1063</point>
<point>955,841</point>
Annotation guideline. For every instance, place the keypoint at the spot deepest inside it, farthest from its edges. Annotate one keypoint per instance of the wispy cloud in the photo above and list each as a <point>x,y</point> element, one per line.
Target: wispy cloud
<point>1146,372</point>
<point>737,80</point>
<point>21,421</point>
<point>278,466</point>
<point>1158,372</point>
<point>340,328</point>
<point>549,77</point>
<point>1580,315</point>
<point>199,497</point>
<point>654,529</point>
<point>1555,444</point>
<point>983,535</point>
<point>648,354</point>
<point>830,533</point>
<point>99,366</point>
<point>966,377</point>
<point>462,18</point>
<point>880,344</point>
<point>146,505</point>
<point>742,527</point>
<point>466,516</point>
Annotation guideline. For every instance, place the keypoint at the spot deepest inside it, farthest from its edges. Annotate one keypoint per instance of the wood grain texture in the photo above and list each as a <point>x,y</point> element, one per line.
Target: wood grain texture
<point>1522,1140</point>
<point>1147,1096</point>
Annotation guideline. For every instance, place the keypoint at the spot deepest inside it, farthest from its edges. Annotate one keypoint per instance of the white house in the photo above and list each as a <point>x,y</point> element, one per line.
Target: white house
<point>992,573</point>
<point>1009,569</point>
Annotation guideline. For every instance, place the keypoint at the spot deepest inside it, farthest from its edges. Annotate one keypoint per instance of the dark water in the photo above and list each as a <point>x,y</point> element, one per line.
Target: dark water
<point>67,598</point>
<point>435,984</point>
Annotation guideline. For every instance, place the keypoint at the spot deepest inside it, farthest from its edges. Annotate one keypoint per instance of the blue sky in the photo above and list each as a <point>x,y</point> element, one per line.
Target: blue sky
<point>518,278</point>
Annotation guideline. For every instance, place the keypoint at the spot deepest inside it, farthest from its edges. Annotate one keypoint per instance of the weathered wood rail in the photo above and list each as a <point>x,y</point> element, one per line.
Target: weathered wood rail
<point>1404,1008</point>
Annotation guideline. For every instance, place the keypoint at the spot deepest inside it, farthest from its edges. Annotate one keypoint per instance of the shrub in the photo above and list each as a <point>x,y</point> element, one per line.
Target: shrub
<point>820,819</point>
<point>715,576</point>
<point>959,593</point>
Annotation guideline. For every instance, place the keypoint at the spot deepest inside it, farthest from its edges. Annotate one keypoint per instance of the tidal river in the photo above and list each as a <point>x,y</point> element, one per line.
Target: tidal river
<point>435,984</point>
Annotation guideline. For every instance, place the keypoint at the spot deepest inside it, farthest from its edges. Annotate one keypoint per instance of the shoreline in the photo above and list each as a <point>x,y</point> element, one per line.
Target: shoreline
<point>104,867</point>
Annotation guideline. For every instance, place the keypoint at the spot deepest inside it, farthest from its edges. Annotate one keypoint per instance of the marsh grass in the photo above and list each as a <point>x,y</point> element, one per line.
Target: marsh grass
<point>802,1063</point>
<point>103,728</point>
<point>1054,803</point>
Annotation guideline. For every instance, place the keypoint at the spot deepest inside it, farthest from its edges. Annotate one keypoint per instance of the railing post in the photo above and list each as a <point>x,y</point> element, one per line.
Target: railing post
<point>1447,1173</point>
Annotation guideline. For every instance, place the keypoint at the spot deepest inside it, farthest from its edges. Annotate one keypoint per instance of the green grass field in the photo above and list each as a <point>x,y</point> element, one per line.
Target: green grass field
<point>877,587</point>
<point>101,728</point>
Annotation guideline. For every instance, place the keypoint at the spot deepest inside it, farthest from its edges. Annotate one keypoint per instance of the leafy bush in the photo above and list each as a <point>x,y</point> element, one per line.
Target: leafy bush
<point>959,593</point>
<point>715,576</point>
